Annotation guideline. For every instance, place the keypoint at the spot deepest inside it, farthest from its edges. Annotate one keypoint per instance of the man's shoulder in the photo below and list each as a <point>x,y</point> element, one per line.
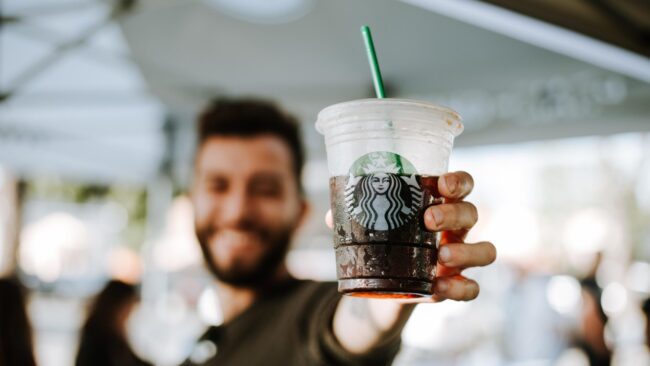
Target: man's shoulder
<point>298,307</point>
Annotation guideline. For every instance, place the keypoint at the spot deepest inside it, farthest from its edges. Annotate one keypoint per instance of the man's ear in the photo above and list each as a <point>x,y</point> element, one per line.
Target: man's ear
<point>304,213</point>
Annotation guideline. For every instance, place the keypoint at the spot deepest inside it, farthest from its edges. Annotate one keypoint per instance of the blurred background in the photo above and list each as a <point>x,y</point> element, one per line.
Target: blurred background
<point>97,107</point>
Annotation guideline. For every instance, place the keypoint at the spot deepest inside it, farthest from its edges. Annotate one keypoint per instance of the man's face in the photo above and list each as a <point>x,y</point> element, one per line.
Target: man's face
<point>246,205</point>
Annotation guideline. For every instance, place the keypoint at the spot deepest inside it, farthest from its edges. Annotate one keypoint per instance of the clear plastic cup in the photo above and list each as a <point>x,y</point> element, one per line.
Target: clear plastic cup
<point>384,157</point>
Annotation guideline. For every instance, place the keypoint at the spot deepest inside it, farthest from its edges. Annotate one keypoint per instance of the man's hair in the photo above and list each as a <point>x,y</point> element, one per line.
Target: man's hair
<point>252,118</point>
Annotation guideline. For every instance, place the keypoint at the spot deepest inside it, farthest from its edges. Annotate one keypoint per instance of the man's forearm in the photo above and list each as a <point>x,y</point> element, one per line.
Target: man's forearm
<point>362,324</point>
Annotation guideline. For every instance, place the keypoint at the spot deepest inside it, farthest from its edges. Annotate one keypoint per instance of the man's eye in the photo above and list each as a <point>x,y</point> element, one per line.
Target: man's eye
<point>218,185</point>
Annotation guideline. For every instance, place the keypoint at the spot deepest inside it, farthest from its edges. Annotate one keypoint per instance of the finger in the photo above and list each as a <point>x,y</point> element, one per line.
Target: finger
<point>444,271</point>
<point>456,185</point>
<point>329,221</point>
<point>450,216</point>
<point>456,288</point>
<point>453,236</point>
<point>467,255</point>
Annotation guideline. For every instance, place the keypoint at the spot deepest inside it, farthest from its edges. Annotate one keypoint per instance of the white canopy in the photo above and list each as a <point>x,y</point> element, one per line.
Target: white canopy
<point>89,113</point>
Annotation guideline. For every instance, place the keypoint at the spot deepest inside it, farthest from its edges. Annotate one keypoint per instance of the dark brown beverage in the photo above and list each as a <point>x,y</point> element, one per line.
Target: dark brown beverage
<point>382,247</point>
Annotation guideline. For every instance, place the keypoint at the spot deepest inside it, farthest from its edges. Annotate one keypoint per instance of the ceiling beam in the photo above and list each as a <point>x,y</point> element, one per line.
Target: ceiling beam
<point>541,34</point>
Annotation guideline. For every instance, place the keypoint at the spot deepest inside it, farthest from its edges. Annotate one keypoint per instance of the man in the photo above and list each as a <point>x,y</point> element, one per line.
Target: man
<point>248,202</point>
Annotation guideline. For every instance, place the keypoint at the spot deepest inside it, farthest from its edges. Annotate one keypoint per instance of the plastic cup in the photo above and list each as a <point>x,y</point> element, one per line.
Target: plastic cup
<point>384,157</point>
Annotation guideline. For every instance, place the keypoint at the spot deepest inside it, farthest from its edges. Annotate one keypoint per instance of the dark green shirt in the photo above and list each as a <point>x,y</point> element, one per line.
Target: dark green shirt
<point>292,325</point>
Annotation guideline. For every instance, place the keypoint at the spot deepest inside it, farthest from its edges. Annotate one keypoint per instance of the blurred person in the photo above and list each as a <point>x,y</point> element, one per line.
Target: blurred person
<point>532,328</point>
<point>646,311</point>
<point>591,332</point>
<point>589,282</point>
<point>103,337</point>
<point>248,202</point>
<point>16,347</point>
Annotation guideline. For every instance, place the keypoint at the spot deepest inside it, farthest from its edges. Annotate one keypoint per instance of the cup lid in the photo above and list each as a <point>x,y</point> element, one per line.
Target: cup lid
<point>335,112</point>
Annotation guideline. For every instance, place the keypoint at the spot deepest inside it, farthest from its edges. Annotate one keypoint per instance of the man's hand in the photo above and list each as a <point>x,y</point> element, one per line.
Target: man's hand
<point>378,320</point>
<point>454,218</point>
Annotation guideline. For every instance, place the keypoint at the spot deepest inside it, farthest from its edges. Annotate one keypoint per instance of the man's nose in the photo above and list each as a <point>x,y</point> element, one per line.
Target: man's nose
<point>236,209</point>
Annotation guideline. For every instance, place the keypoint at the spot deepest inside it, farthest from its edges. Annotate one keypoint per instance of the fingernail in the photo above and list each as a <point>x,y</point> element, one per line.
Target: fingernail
<point>436,215</point>
<point>442,286</point>
<point>444,254</point>
<point>452,183</point>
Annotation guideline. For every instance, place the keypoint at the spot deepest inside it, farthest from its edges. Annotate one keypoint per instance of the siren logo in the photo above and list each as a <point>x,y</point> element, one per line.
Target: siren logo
<point>382,192</point>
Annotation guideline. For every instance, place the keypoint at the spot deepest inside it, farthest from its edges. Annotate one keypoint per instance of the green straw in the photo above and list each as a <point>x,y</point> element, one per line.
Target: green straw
<point>376,77</point>
<point>372,60</point>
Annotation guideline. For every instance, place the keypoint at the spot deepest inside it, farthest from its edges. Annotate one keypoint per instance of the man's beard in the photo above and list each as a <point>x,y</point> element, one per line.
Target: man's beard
<point>263,271</point>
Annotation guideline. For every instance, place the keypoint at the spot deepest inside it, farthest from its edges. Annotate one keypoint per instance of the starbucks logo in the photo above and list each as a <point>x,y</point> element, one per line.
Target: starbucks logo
<point>382,192</point>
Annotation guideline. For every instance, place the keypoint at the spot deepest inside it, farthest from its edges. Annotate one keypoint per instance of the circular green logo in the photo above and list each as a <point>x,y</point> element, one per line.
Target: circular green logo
<point>382,191</point>
<point>384,162</point>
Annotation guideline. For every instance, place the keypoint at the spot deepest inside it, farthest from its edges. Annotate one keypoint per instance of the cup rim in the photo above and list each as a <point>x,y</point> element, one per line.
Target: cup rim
<point>455,125</point>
